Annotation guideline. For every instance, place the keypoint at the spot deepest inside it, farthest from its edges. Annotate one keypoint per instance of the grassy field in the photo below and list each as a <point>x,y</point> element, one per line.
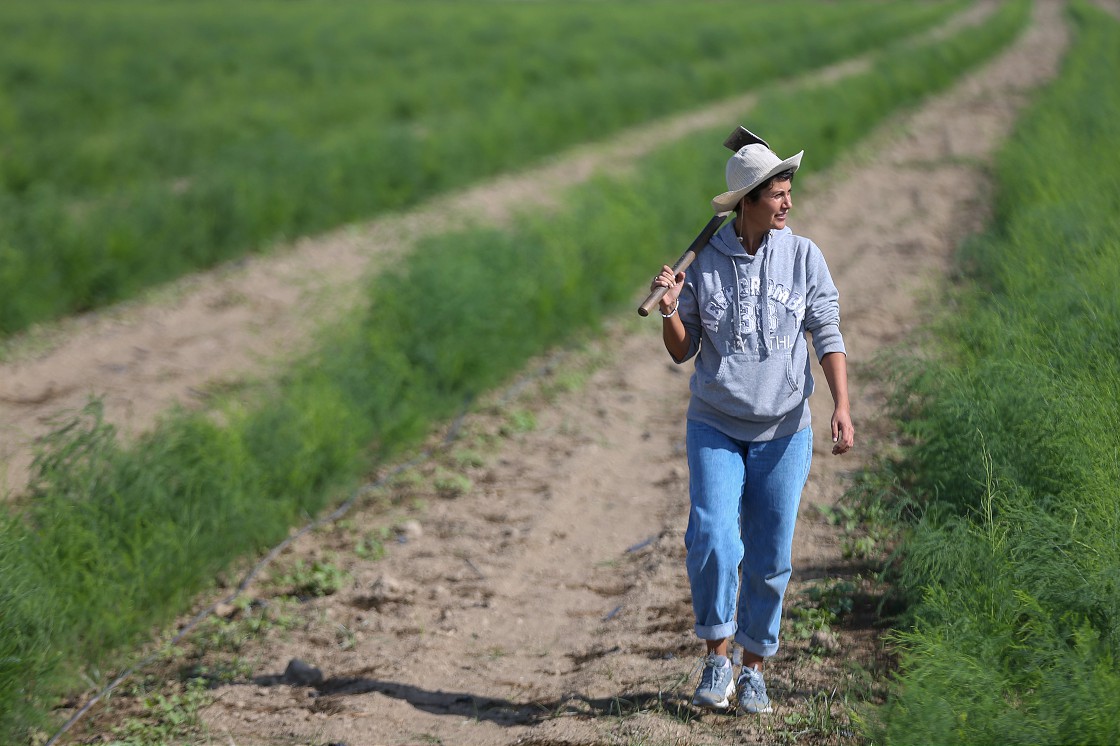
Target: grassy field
<point>1013,637</point>
<point>117,538</point>
<point>143,140</point>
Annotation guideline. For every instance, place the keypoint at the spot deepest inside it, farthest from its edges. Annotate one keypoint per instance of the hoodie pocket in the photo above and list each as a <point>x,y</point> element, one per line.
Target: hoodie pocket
<point>751,389</point>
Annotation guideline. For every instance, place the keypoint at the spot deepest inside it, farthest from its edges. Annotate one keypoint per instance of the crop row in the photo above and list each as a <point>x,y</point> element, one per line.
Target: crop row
<point>1013,635</point>
<point>140,141</point>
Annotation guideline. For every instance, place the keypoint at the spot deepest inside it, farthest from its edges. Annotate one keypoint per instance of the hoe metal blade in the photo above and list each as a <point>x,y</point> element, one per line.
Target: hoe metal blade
<point>740,137</point>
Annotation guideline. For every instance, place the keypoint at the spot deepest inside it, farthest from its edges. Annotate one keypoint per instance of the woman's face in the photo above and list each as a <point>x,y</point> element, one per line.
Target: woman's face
<point>771,210</point>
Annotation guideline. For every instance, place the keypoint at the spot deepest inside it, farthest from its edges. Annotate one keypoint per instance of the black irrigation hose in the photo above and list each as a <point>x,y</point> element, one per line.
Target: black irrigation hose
<point>341,510</point>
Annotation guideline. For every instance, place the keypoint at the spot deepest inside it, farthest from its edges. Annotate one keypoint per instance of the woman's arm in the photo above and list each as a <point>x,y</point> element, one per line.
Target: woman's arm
<point>835,366</point>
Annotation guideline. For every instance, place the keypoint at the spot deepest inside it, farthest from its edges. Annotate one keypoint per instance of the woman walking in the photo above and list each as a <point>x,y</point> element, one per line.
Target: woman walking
<point>742,309</point>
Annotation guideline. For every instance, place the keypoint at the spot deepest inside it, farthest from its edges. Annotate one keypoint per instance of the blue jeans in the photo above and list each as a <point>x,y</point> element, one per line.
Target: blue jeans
<point>744,508</point>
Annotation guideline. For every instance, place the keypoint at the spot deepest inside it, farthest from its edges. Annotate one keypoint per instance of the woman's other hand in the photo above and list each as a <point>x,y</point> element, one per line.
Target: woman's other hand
<point>843,432</point>
<point>835,366</point>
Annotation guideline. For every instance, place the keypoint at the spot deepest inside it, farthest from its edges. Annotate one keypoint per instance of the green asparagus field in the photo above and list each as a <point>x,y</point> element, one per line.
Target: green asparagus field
<point>143,140</point>
<point>1013,419</point>
<point>116,538</point>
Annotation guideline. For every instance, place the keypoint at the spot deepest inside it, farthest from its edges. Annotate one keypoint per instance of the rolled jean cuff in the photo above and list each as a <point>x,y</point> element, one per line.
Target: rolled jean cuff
<point>753,646</point>
<point>716,632</point>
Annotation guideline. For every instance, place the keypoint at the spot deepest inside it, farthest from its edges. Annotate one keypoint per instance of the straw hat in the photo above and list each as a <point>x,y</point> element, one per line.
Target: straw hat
<point>751,165</point>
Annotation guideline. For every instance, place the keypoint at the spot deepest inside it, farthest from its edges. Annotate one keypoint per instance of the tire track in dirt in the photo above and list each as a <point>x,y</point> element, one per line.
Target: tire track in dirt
<point>544,601</point>
<point>244,320</point>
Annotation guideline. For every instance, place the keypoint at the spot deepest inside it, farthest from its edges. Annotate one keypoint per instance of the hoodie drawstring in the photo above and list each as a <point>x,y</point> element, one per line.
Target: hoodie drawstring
<point>765,324</point>
<point>764,328</point>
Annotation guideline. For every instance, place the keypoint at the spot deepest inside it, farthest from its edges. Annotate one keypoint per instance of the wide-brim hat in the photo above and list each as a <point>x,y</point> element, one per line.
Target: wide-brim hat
<point>751,165</point>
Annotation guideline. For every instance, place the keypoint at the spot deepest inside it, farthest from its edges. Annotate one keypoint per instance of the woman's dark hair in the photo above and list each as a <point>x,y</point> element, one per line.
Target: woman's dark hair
<point>754,194</point>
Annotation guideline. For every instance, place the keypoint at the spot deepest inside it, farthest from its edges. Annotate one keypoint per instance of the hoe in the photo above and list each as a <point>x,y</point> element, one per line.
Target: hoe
<point>737,139</point>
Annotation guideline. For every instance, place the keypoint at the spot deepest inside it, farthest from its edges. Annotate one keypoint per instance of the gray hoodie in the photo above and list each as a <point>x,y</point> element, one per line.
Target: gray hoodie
<point>747,317</point>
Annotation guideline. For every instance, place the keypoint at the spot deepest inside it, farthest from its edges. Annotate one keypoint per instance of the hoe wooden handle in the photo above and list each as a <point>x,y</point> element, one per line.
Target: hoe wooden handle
<point>686,259</point>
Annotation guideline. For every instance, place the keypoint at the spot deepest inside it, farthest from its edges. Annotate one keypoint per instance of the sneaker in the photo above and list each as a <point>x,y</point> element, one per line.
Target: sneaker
<point>717,684</point>
<point>752,692</point>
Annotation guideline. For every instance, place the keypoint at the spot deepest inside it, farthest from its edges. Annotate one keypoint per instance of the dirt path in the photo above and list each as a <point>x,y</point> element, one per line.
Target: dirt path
<point>205,331</point>
<point>532,590</point>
